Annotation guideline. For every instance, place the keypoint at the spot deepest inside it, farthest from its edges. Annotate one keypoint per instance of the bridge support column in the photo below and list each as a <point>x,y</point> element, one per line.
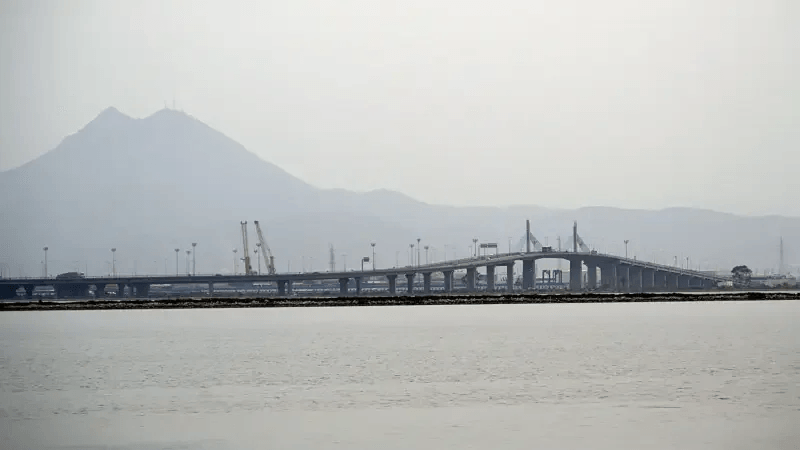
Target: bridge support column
<point>709,284</point>
<point>624,278</point>
<point>358,285</point>
<point>281,287</point>
<point>8,292</point>
<point>120,290</point>
<point>608,276</point>
<point>575,275</point>
<point>471,272</point>
<point>591,276</point>
<point>528,274</point>
<point>210,289</point>
<point>426,282</point>
<point>410,282</point>
<point>99,290</point>
<point>448,281</point>
<point>695,282</point>
<point>392,284</point>
<point>141,290</point>
<point>28,291</point>
<point>683,282</point>
<point>490,278</point>
<point>510,278</point>
<point>289,287</point>
<point>343,285</point>
<point>636,279</point>
<point>672,281</point>
<point>660,280</point>
<point>648,279</point>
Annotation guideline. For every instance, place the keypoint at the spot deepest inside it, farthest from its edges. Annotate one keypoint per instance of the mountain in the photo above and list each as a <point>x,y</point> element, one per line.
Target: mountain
<point>148,186</point>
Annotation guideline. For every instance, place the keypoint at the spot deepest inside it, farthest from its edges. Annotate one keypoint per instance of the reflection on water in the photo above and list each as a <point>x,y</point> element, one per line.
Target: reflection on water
<point>670,375</point>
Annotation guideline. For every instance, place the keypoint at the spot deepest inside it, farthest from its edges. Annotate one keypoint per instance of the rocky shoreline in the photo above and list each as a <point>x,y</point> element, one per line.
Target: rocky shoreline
<point>294,302</point>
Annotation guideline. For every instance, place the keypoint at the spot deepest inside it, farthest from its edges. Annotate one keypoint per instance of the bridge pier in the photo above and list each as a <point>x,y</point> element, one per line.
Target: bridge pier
<point>99,290</point>
<point>143,289</point>
<point>289,287</point>
<point>410,282</point>
<point>575,275</point>
<point>510,277</point>
<point>343,285</point>
<point>528,274</point>
<point>210,289</point>
<point>8,292</point>
<point>608,276</point>
<point>709,284</point>
<point>426,282</point>
<point>448,281</point>
<point>636,279</point>
<point>648,279</point>
<point>28,291</point>
<point>120,290</point>
<point>683,282</point>
<point>358,285</point>
<point>471,272</point>
<point>591,276</point>
<point>624,278</point>
<point>660,280</point>
<point>282,287</point>
<point>392,284</point>
<point>672,281</point>
<point>490,278</point>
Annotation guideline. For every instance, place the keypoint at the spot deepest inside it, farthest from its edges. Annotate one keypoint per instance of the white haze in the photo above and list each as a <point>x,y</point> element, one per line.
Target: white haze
<point>562,104</point>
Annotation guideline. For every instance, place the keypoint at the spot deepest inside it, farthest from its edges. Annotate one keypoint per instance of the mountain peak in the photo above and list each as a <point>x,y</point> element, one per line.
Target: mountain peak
<point>109,117</point>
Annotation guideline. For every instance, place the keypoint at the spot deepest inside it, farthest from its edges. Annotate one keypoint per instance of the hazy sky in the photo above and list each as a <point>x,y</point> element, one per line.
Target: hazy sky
<point>630,103</point>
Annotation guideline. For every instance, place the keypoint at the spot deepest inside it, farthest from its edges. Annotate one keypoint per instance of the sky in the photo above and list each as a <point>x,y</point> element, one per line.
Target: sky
<point>561,104</point>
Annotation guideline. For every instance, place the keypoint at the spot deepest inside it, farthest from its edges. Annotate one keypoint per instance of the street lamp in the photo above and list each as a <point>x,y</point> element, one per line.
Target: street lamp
<point>194,259</point>
<point>363,260</point>
<point>177,250</point>
<point>259,261</point>
<point>235,262</point>
<point>626,248</point>
<point>418,251</point>
<point>114,262</point>
<point>344,257</point>
<point>411,254</point>
<point>475,246</point>
<point>426,255</point>
<point>373,255</point>
<point>45,260</point>
<point>188,252</point>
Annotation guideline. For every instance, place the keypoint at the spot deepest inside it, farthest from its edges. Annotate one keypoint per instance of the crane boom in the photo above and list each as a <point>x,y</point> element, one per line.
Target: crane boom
<point>248,269</point>
<point>268,258</point>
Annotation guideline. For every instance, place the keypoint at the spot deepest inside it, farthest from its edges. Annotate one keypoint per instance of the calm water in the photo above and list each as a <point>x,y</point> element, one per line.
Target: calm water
<point>670,375</point>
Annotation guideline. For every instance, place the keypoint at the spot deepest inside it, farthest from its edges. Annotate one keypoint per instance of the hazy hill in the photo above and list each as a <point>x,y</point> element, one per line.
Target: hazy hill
<point>148,186</point>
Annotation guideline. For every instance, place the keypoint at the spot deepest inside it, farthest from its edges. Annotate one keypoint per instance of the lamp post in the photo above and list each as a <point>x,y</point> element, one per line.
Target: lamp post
<point>344,257</point>
<point>114,262</point>
<point>255,251</point>
<point>626,248</point>
<point>235,262</point>
<point>426,255</point>
<point>363,260</point>
<point>45,260</point>
<point>188,272</point>
<point>177,250</point>
<point>475,247</point>
<point>411,254</point>
<point>418,251</point>
<point>194,259</point>
<point>373,255</point>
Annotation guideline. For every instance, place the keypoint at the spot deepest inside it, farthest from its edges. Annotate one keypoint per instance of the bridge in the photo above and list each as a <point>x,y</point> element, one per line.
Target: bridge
<point>616,274</point>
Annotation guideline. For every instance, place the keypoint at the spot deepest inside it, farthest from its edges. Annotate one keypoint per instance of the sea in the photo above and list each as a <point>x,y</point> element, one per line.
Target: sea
<point>688,375</point>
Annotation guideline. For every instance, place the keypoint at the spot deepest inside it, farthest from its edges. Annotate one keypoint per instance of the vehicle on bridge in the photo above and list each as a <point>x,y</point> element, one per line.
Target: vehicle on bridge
<point>70,276</point>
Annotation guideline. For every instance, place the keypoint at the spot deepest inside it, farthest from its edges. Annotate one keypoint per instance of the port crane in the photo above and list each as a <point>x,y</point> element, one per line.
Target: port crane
<point>248,269</point>
<point>265,250</point>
